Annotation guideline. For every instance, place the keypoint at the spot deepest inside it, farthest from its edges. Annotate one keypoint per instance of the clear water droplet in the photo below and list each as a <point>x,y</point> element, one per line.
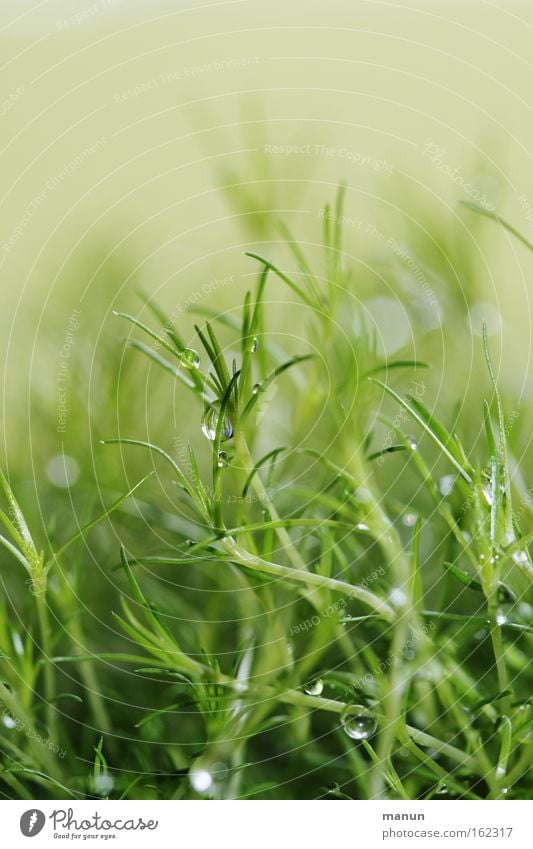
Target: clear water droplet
<point>505,595</point>
<point>487,492</point>
<point>362,495</point>
<point>525,611</point>
<point>446,484</point>
<point>314,687</point>
<point>223,459</point>
<point>397,597</point>
<point>17,643</point>
<point>201,780</point>
<point>409,520</point>
<point>505,791</point>
<point>521,558</point>
<point>9,722</point>
<point>412,443</point>
<point>210,422</point>
<point>442,790</point>
<point>103,784</point>
<point>358,722</point>
<point>481,635</point>
<point>63,471</point>
<point>501,618</point>
<point>190,358</point>
<point>255,345</point>
<point>361,526</point>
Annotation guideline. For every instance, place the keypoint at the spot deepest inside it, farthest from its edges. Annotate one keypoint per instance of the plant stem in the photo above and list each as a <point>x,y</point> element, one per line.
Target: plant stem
<point>310,579</point>
<point>246,459</point>
<point>46,651</point>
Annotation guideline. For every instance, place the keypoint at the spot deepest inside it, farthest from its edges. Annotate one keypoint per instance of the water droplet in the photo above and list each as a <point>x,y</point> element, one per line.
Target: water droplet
<point>190,358</point>
<point>409,520</point>
<point>505,594</point>
<point>446,484</point>
<point>505,791</point>
<point>362,527</point>
<point>500,771</point>
<point>397,597</point>
<point>521,558</point>
<point>358,722</point>
<point>220,772</point>
<point>103,784</point>
<point>255,345</point>
<point>210,422</point>
<point>190,542</point>
<point>314,687</point>
<point>63,471</point>
<point>17,643</point>
<point>442,790</point>
<point>481,635</point>
<point>9,722</point>
<point>501,618</point>
<point>223,459</point>
<point>525,611</point>
<point>362,495</point>
<point>201,780</point>
<point>412,443</point>
<point>487,492</point>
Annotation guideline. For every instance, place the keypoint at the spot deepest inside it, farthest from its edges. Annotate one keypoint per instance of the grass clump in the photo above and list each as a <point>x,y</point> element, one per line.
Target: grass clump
<point>349,613</point>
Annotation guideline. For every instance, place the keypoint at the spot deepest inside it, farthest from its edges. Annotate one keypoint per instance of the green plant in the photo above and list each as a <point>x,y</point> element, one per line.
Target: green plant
<point>304,626</point>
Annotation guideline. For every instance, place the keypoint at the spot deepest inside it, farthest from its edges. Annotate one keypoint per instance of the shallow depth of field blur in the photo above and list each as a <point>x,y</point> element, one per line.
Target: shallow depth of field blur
<point>145,146</point>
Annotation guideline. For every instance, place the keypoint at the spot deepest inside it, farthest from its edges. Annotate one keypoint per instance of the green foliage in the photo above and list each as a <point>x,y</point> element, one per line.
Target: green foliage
<point>284,588</point>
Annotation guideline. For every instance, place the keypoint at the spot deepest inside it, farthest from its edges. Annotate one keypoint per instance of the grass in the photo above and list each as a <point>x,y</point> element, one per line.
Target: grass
<point>327,594</point>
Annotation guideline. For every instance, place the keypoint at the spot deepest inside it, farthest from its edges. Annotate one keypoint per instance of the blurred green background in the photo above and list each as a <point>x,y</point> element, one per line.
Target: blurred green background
<point>134,151</point>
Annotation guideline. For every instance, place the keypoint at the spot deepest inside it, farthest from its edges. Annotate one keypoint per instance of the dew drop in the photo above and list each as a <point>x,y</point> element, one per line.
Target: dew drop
<point>501,618</point>
<point>9,722</point>
<point>17,643</point>
<point>210,422</point>
<point>201,780</point>
<point>525,611</point>
<point>505,595</point>
<point>412,443</point>
<point>362,527</point>
<point>63,471</point>
<point>314,687</point>
<point>103,784</point>
<point>521,559</point>
<point>190,358</point>
<point>255,345</point>
<point>362,495</point>
<point>409,520</point>
<point>358,722</point>
<point>446,484</point>
<point>487,492</point>
<point>223,459</point>
<point>397,597</point>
